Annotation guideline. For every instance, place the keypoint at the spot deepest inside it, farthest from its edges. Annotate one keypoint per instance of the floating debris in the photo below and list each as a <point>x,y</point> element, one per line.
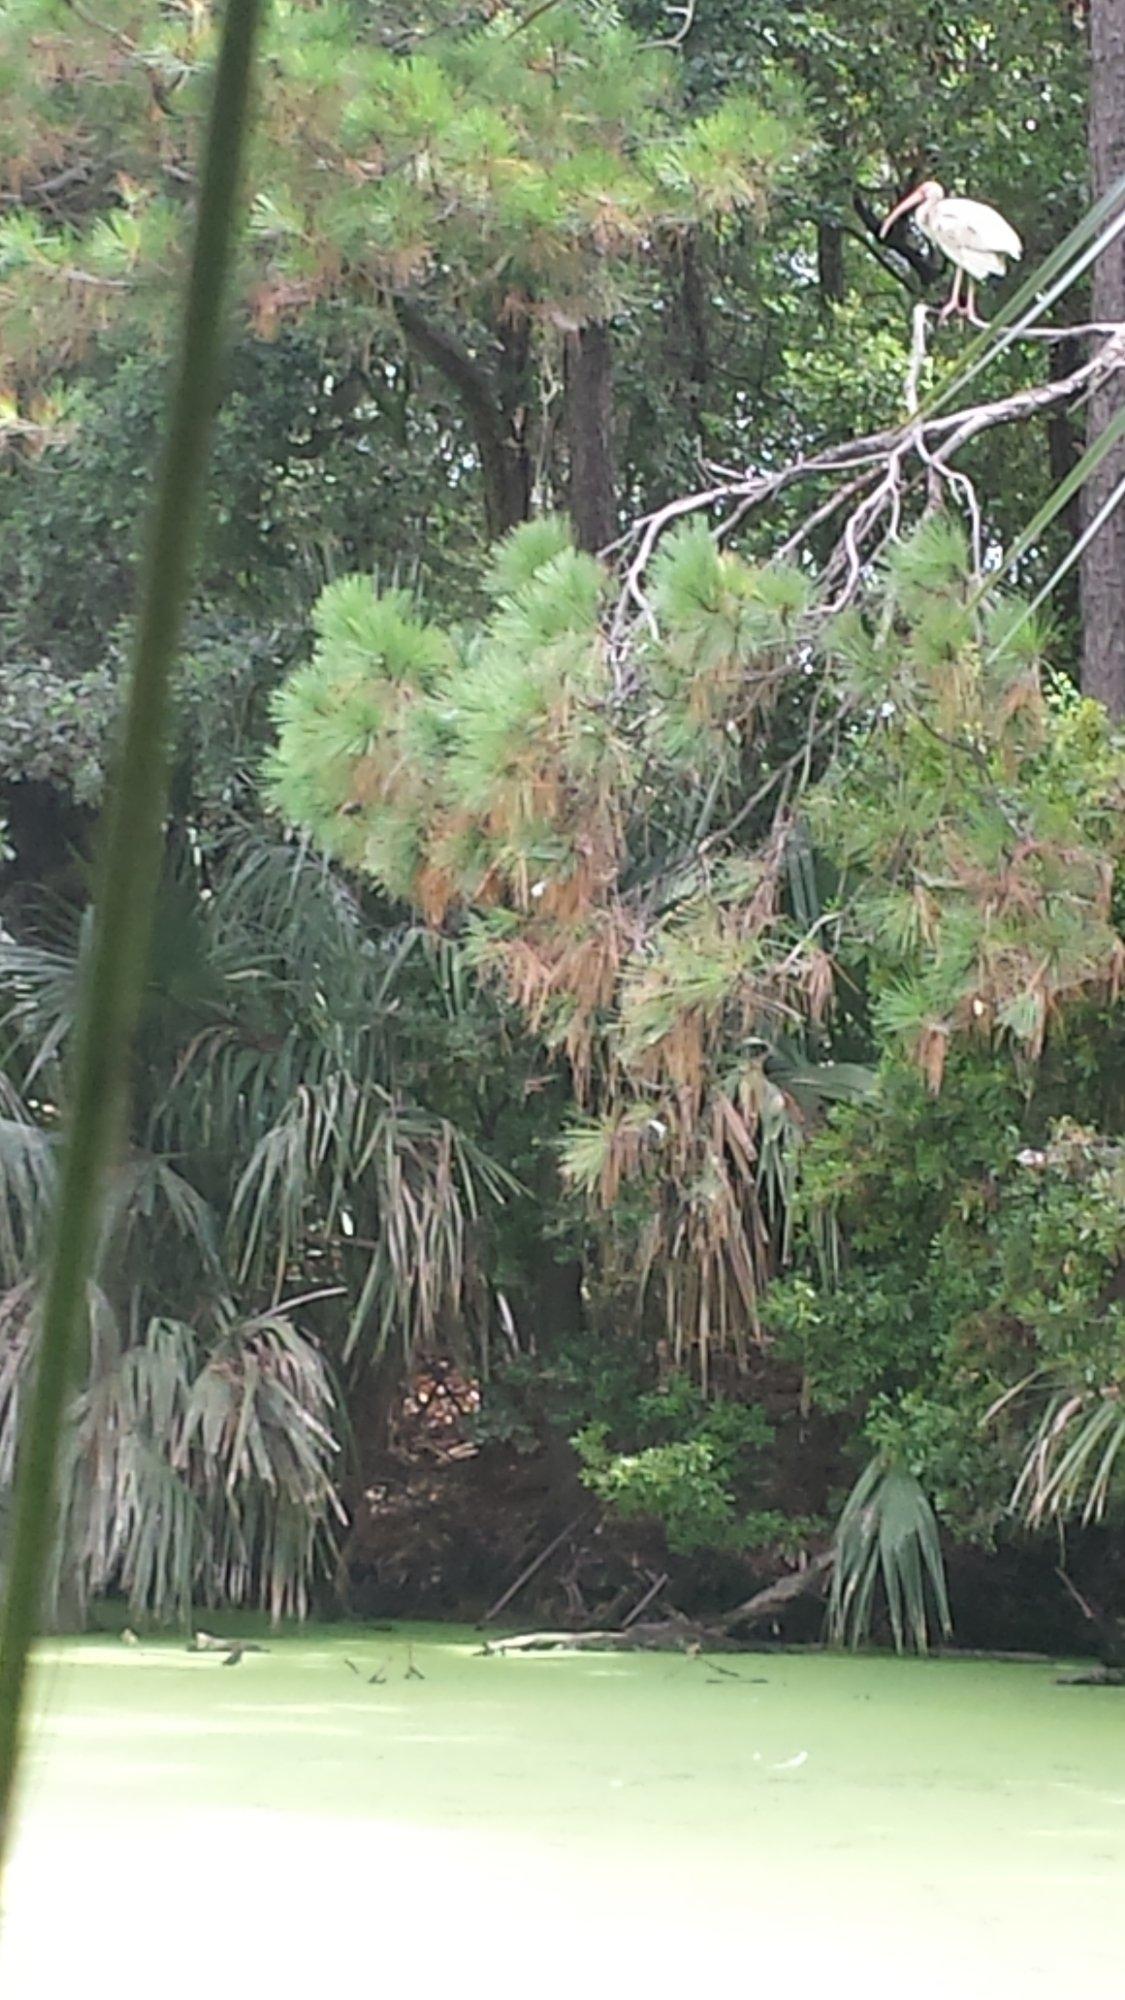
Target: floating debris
<point>206,1642</point>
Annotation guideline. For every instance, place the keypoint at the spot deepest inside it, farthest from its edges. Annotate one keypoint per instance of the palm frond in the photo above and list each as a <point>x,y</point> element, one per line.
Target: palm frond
<point>149,1202</point>
<point>27,1186</point>
<point>1072,1456</point>
<point>17,1349</point>
<point>258,1437</point>
<point>38,994</point>
<point>887,1534</point>
<point>196,1466</point>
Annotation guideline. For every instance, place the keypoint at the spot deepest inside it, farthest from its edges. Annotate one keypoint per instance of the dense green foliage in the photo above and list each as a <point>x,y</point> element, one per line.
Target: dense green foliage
<point>983,1238</point>
<point>700,1018</point>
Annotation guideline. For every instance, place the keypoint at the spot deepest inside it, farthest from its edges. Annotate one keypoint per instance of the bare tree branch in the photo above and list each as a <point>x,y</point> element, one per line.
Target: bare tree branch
<point>881,256</point>
<point>879,474</point>
<point>103,27</point>
<point>505,486</point>
<point>686,16</point>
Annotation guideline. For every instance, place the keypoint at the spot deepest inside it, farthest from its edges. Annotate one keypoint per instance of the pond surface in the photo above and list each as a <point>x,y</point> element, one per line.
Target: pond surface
<point>588,1825</point>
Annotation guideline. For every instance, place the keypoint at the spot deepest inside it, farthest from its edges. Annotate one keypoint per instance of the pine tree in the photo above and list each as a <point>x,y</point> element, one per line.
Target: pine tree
<point>519,784</point>
<point>497,185</point>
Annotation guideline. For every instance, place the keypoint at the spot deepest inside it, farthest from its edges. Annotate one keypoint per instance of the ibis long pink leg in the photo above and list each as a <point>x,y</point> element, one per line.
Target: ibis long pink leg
<point>971,313</point>
<point>953,302</point>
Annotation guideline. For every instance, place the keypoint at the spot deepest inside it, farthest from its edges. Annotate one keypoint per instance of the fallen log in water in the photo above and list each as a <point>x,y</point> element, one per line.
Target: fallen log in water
<point>677,1632</point>
<point>668,1633</point>
<point>552,1642</point>
<point>775,1596</point>
<point>1098,1677</point>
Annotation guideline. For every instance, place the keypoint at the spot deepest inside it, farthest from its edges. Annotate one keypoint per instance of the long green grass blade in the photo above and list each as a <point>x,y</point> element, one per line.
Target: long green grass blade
<point>130,869</point>
<point>1073,555</point>
<point>1057,499</point>
<point>1053,505</point>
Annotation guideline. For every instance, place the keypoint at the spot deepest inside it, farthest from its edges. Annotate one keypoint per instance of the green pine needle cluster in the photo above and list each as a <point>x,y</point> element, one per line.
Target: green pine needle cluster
<point>533,160</point>
<point>979,872</point>
<point>453,771</point>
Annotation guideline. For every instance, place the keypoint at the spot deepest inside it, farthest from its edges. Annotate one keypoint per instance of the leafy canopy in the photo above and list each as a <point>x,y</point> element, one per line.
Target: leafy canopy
<point>534,158</point>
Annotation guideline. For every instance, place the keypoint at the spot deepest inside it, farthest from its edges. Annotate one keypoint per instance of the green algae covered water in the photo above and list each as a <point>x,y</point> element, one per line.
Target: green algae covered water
<point>548,1825</point>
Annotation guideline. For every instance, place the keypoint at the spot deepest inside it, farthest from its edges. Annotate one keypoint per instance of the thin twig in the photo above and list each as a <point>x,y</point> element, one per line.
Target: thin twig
<point>643,1603</point>
<point>117,35</point>
<point>822,514</point>
<point>533,14</point>
<point>74,276</point>
<point>526,1575</point>
<point>1086,1610</point>
<point>777,777</point>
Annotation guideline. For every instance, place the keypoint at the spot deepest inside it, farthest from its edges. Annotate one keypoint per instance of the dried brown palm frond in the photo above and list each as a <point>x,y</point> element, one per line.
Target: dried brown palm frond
<point>257,1444</point>
<point>707,1247</point>
<point>198,1464</point>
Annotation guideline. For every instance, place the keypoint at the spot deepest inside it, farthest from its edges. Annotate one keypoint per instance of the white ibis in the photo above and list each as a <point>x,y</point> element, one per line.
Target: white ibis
<point>973,236</point>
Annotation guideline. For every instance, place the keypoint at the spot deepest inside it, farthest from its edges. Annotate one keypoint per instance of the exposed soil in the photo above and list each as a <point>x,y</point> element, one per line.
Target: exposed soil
<point>444,1528</point>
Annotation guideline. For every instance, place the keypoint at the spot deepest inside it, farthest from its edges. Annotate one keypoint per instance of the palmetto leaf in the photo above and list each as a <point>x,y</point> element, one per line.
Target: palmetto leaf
<point>27,1185</point>
<point>197,1464</point>
<point>201,1457</point>
<point>150,1200</point>
<point>887,1534</point>
<point>39,986</point>
<point>1072,1456</point>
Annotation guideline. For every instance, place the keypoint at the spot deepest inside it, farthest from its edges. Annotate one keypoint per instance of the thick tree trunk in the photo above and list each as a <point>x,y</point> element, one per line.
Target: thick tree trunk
<point>830,263</point>
<point>1103,566</point>
<point>589,431</point>
<point>693,294</point>
<point>514,377</point>
<point>496,416</point>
